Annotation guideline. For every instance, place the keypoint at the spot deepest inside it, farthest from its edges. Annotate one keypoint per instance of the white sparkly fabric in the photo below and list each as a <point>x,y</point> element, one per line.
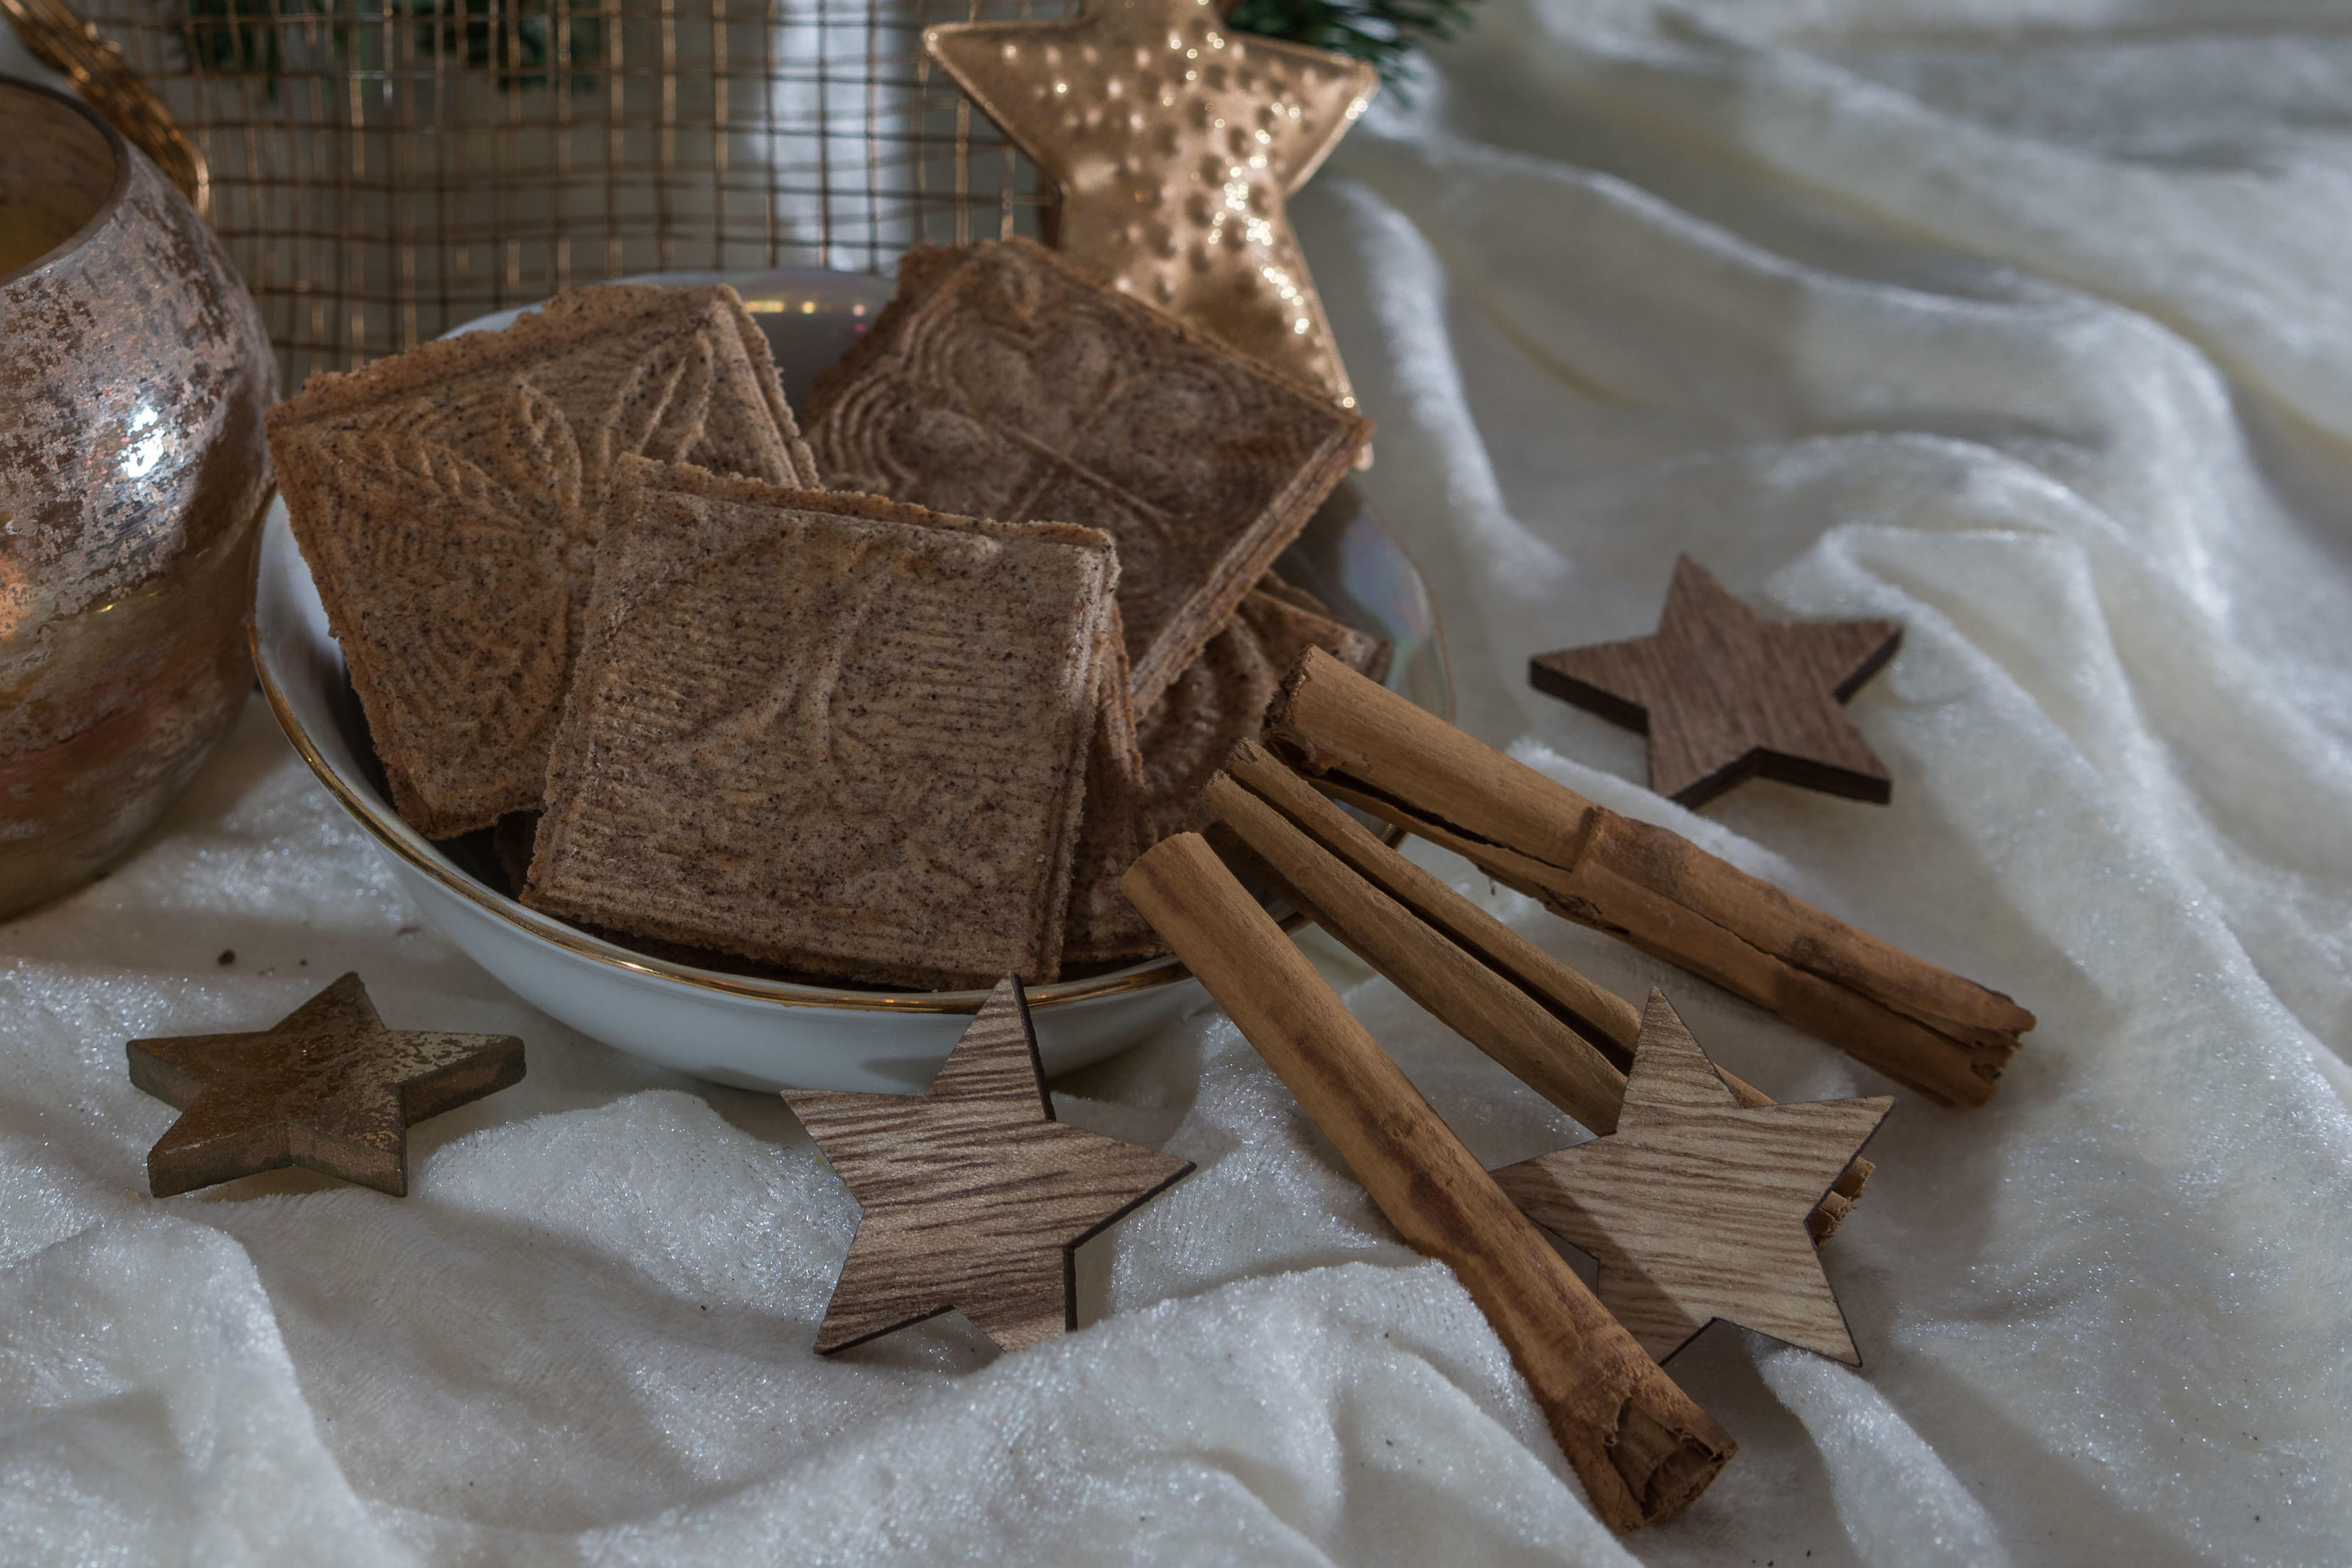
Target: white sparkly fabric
<point>2025,322</point>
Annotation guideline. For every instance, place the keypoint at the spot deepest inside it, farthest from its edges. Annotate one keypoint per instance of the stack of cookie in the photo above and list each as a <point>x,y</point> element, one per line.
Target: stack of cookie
<point>898,705</point>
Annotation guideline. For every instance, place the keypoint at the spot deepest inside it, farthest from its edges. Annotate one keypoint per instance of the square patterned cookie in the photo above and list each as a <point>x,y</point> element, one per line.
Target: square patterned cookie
<point>1222,698</point>
<point>1181,740</point>
<point>449,501</point>
<point>1005,382</point>
<point>828,731</point>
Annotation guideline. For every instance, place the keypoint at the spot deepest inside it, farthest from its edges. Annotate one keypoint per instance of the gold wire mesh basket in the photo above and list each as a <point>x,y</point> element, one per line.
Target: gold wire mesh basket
<point>383,172</point>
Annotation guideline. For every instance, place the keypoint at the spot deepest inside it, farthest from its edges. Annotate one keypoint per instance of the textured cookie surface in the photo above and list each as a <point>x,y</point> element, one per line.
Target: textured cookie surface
<point>828,731</point>
<point>1101,926</point>
<point>449,501</point>
<point>1004,383</point>
<point>449,599</point>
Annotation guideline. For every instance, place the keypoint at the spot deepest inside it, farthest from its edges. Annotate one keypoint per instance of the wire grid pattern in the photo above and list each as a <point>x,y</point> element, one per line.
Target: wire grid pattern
<point>385,171</point>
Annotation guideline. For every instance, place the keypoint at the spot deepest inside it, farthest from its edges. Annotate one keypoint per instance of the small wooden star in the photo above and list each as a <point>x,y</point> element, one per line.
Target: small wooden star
<point>1176,143</point>
<point>1696,1206</point>
<point>972,1196</point>
<point>1724,694</point>
<point>328,1088</point>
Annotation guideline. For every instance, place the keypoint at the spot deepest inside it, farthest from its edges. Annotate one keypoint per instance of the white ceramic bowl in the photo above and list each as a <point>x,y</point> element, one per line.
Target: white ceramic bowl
<point>733,1028</point>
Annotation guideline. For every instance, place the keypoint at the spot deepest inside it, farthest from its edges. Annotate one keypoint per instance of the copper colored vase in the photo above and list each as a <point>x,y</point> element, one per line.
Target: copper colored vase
<point>133,376</point>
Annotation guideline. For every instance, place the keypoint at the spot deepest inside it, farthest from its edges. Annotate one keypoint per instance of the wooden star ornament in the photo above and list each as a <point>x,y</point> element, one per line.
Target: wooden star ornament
<point>1725,694</point>
<point>1696,1206</point>
<point>327,1088</point>
<point>1176,143</point>
<point>972,1196</point>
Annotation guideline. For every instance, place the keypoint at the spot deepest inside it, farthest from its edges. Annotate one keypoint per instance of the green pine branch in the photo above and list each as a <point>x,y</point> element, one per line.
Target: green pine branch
<point>1384,32</point>
<point>515,37</point>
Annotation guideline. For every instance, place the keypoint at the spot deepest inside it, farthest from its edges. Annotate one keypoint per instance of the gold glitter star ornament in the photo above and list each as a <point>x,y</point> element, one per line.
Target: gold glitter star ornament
<point>1176,144</point>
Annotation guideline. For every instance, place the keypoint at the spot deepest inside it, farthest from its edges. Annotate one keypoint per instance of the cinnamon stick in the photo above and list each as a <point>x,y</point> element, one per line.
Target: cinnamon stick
<point>1478,1004</point>
<point>1643,1449</point>
<point>1348,881</point>
<point>1607,1020</point>
<point>1944,1036</point>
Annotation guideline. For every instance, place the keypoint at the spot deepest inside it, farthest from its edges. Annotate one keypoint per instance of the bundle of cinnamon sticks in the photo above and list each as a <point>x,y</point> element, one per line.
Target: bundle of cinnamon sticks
<point>1924,1026</point>
<point>1564,1037</point>
<point>1641,1448</point>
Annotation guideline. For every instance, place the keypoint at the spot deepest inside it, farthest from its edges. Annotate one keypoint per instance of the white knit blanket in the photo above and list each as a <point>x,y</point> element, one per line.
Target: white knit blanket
<point>2025,322</point>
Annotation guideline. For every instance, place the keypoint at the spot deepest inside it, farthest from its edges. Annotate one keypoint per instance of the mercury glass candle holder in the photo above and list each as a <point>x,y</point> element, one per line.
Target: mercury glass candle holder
<point>134,372</point>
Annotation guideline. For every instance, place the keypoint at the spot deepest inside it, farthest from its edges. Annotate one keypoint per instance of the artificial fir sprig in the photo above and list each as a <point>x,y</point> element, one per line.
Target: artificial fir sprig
<point>1384,32</point>
<point>517,36</point>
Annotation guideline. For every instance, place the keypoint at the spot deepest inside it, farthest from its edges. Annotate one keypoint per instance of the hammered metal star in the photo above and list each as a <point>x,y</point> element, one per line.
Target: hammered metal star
<point>971,1195</point>
<point>1176,143</point>
<point>1725,694</point>
<point>327,1088</point>
<point>1696,1206</point>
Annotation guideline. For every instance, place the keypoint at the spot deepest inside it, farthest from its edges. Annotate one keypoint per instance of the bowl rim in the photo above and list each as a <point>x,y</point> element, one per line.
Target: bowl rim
<point>107,208</point>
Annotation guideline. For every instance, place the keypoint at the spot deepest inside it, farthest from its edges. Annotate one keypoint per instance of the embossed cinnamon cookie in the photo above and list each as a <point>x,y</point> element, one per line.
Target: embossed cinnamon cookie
<point>828,731</point>
<point>1005,382</point>
<point>1220,699</point>
<point>449,501</point>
